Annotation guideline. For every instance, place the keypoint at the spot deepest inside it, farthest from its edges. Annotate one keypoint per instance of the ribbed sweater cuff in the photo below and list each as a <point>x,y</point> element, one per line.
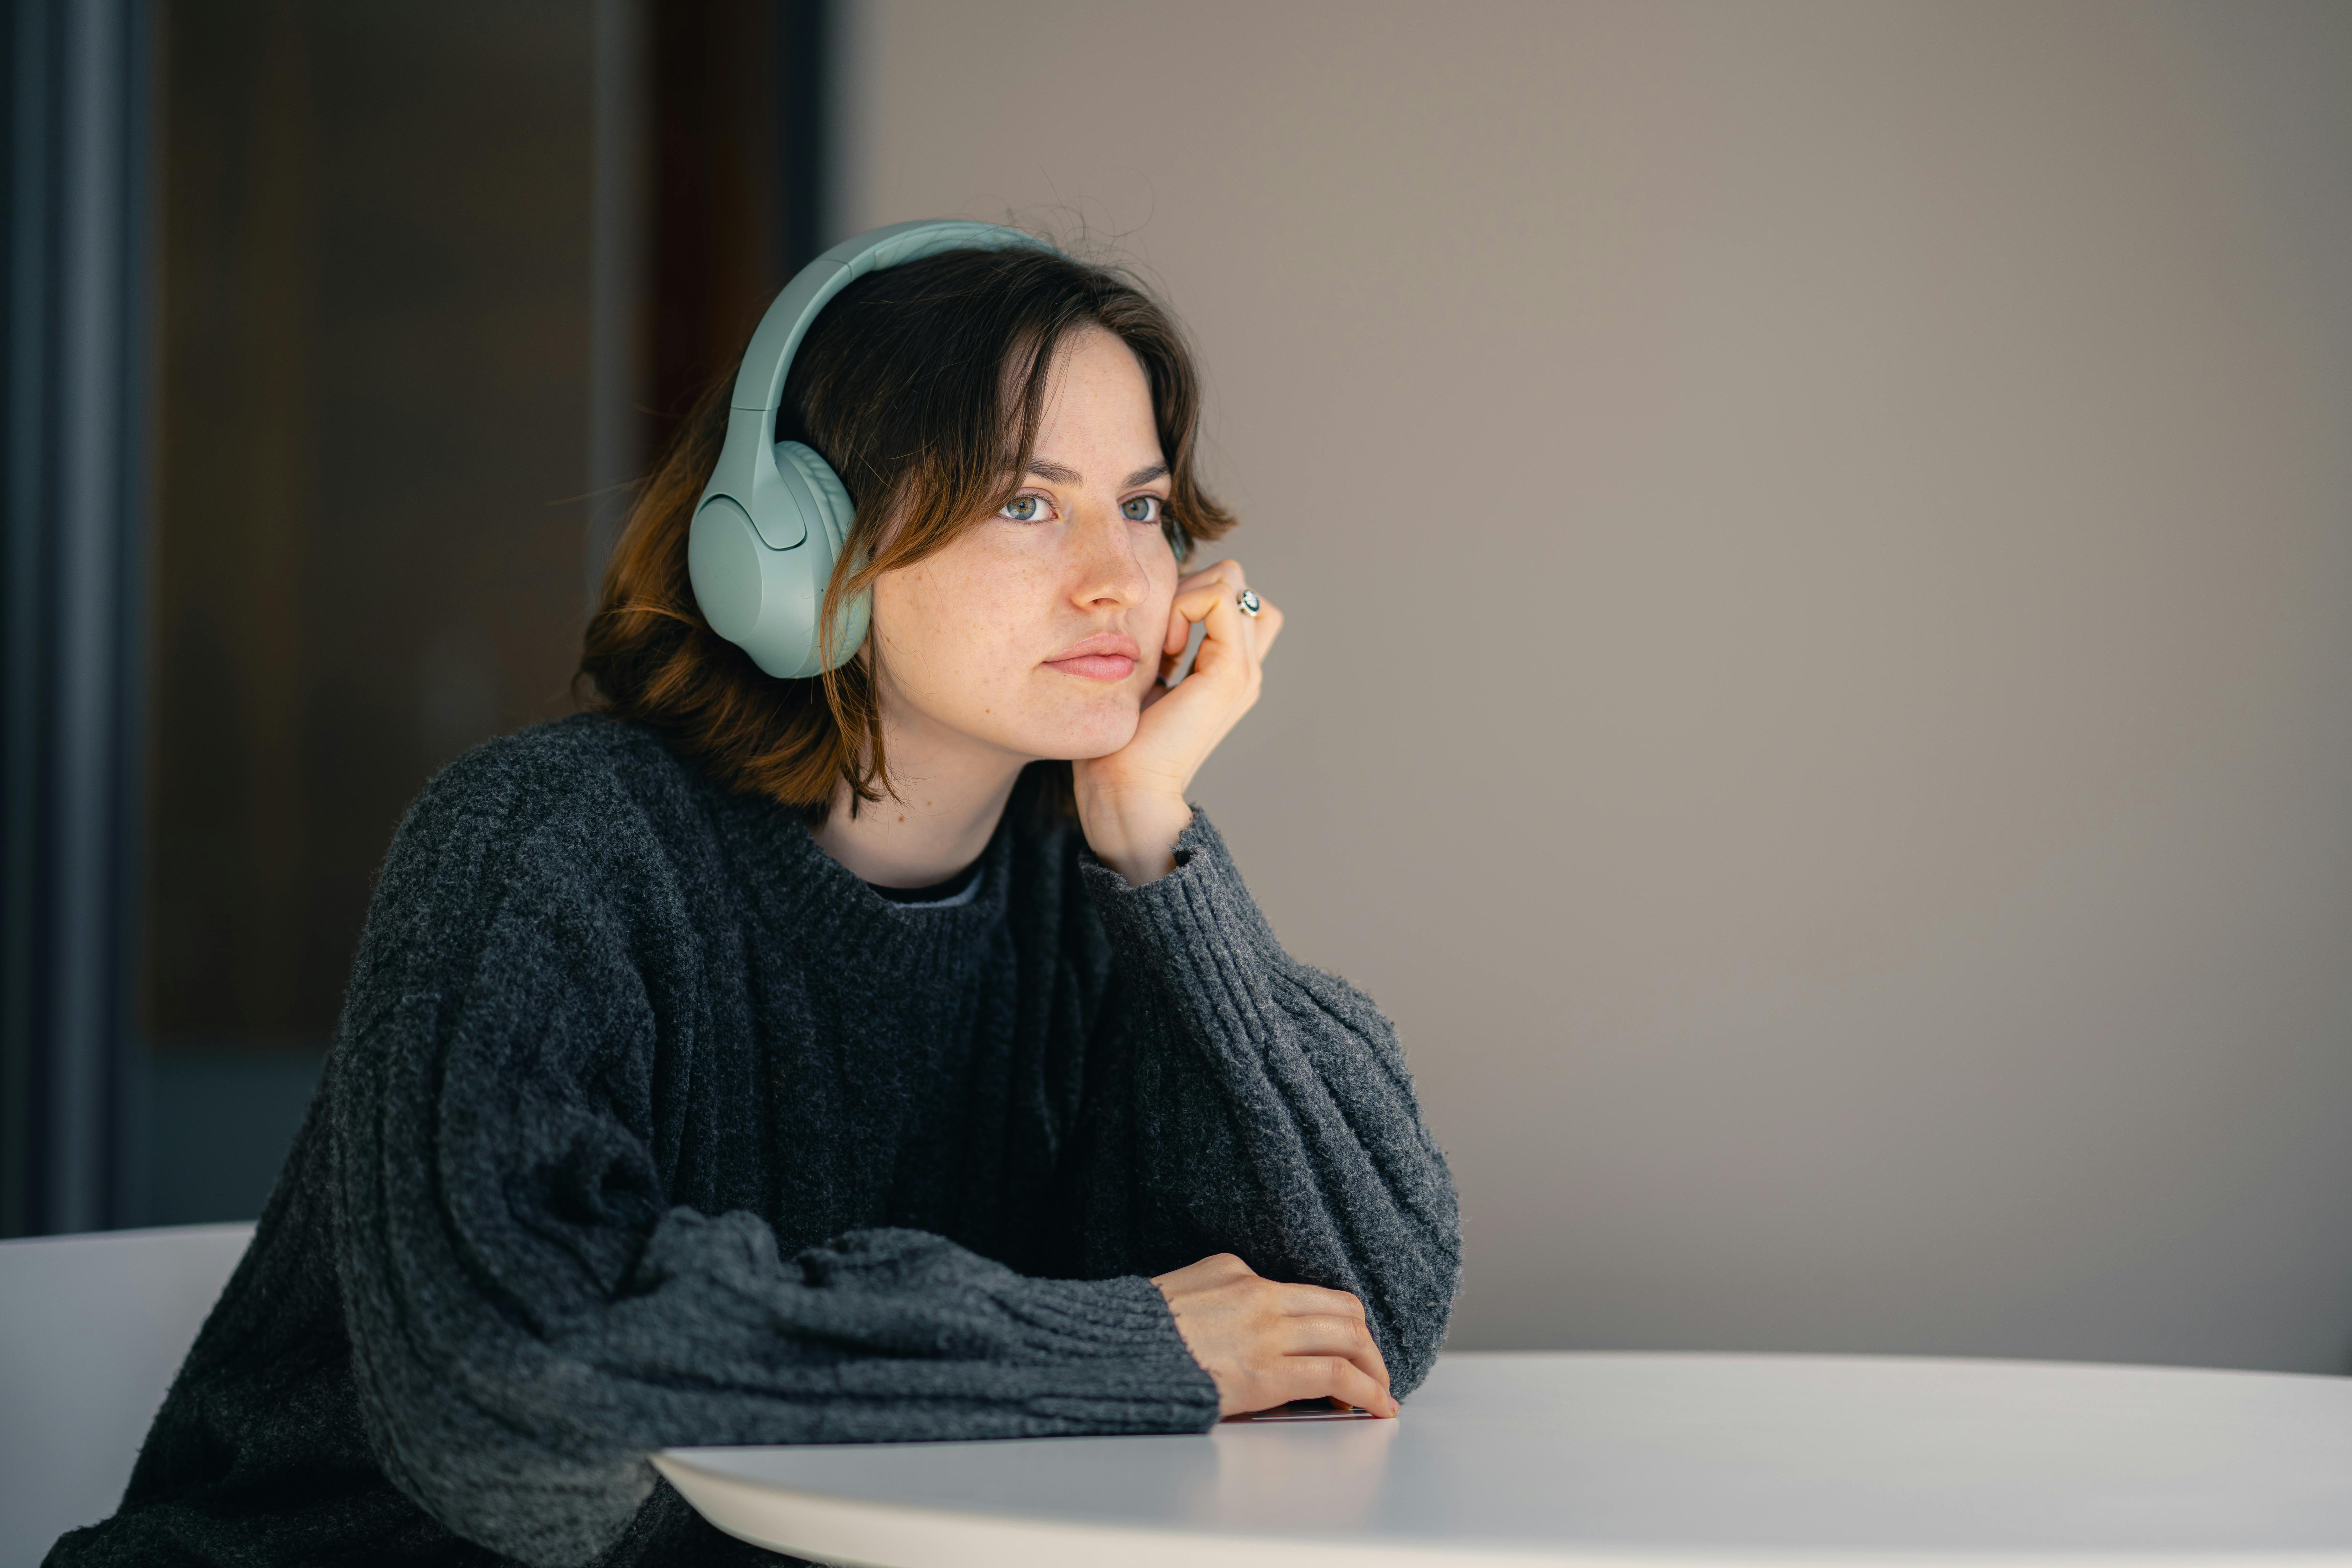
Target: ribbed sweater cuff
<point>1197,925</point>
<point>1076,1319</point>
<point>1078,1324</point>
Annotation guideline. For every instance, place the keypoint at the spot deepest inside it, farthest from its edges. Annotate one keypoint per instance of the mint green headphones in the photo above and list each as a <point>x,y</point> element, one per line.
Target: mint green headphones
<point>774,516</point>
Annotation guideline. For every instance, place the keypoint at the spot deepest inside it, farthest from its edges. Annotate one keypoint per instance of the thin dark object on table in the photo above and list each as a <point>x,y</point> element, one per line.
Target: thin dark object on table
<point>1309,1410</point>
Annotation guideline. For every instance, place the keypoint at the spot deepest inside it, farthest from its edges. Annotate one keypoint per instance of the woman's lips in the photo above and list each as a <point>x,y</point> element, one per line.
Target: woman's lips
<point>1105,655</point>
<point>1097,666</point>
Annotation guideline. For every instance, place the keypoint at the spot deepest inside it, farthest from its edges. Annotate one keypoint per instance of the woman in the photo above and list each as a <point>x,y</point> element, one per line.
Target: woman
<point>889,1055</point>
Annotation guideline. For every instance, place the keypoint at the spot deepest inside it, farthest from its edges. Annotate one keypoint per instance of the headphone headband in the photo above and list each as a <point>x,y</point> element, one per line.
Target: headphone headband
<point>760,384</point>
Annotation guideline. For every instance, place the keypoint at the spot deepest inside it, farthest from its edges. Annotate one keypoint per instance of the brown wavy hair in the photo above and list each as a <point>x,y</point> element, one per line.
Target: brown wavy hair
<point>922,386</point>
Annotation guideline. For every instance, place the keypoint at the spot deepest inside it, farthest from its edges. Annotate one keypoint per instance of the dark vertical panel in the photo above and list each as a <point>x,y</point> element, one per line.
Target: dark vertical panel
<point>449,372</point>
<point>373,460</point>
<point>230,812</point>
<point>77,125</point>
<point>734,99</point>
<point>804,113</point>
<point>719,235</point>
<point>24,871</point>
<point>616,268</point>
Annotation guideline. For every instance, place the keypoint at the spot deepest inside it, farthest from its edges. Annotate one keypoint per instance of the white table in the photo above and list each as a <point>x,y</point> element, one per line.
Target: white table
<point>1664,1461</point>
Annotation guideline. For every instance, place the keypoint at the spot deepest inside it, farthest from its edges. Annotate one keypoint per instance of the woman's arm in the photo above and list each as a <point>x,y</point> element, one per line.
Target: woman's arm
<point>1249,1103</point>
<point>1256,1105</point>
<point>529,1316</point>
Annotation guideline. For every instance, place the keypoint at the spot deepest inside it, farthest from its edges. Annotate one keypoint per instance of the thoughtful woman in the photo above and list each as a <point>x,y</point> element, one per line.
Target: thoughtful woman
<point>891,1053</point>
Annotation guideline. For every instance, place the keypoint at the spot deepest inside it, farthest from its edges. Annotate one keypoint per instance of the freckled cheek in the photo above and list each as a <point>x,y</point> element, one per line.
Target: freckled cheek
<point>925,643</point>
<point>982,650</point>
<point>1154,635</point>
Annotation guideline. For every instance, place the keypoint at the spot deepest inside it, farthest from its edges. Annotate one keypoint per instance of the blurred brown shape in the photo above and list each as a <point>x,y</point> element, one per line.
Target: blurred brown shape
<point>372,428</point>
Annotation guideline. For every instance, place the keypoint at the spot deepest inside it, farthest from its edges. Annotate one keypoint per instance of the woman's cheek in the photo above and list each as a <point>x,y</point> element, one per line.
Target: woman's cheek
<point>1111,730</point>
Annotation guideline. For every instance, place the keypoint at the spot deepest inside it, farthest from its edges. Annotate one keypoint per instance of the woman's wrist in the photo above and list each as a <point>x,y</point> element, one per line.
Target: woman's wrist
<point>1134,835</point>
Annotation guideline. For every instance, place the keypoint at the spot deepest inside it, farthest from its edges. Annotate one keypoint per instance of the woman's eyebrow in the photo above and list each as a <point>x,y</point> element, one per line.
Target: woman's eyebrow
<point>1055,473</point>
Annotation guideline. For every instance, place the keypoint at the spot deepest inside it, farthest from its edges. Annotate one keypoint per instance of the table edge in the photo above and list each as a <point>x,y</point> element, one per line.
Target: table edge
<point>919,1534</point>
<point>922,1535</point>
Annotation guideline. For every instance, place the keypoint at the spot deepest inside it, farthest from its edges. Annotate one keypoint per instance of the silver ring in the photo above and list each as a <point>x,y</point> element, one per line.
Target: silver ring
<point>1249,602</point>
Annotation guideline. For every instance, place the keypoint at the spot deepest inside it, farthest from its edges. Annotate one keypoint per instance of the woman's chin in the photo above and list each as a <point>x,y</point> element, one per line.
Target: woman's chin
<point>1086,738</point>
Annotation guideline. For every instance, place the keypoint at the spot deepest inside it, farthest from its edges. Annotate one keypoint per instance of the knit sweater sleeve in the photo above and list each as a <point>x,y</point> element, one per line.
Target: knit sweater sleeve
<point>529,1317</point>
<point>1251,1103</point>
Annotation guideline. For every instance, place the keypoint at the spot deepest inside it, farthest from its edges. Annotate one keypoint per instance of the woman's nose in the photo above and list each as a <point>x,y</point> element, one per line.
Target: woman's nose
<point>1110,566</point>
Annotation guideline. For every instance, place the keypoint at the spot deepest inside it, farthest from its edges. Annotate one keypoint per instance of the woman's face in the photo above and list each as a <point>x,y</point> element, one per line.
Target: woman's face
<point>1037,632</point>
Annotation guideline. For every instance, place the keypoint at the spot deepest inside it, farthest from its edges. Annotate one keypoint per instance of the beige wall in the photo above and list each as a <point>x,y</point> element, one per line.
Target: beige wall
<point>1818,544</point>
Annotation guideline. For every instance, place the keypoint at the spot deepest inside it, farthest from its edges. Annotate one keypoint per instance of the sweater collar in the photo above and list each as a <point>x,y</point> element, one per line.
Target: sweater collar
<point>827,911</point>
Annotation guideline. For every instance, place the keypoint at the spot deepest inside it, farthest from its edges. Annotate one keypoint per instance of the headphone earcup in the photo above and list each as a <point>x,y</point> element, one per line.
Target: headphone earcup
<point>816,493</point>
<point>763,599</point>
<point>755,597</point>
<point>826,506</point>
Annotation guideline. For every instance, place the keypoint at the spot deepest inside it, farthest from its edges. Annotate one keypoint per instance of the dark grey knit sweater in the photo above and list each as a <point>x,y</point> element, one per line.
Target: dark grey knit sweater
<point>648,1123</point>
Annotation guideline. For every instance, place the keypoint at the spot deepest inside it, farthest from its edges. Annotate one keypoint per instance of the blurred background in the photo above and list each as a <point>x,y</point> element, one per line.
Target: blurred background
<point>1818,539</point>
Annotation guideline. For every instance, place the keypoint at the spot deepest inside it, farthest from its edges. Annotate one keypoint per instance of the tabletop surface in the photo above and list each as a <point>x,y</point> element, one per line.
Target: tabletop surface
<point>1658,1459</point>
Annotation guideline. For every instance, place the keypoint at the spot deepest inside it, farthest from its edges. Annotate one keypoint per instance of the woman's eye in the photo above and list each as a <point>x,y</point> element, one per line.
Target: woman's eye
<point>1024,509</point>
<point>1143,508</point>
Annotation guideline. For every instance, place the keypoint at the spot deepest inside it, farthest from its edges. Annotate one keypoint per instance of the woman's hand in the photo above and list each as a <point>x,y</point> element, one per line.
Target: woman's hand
<point>1266,1344</point>
<point>1131,803</point>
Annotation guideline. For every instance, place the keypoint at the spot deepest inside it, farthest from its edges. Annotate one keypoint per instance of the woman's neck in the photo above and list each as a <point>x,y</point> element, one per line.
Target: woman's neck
<point>948,801</point>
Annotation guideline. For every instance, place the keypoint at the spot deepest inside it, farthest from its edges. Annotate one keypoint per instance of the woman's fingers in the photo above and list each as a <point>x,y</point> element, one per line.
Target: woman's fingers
<point>1345,1338</point>
<point>1207,602</point>
<point>1348,1382</point>
<point>1314,1301</point>
<point>1230,631</point>
<point>1320,1377</point>
<point>1227,571</point>
<point>1212,597</point>
<point>1263,1342</point>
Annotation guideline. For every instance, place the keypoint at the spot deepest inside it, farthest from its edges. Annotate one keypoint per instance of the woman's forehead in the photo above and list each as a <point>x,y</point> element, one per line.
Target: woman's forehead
<point>1096,398</point>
